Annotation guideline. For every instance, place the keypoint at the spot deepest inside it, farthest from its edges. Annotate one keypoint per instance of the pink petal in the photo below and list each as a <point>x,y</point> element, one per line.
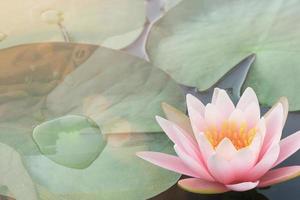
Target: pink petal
<point>285,104</point>
<point>288,146</point>
<point>177,135</point>
<point>242,162</point>
<point>224,103</point>
<point>195,104</point>
<point>197,120</point>
<point>261,128</point>
<point>215,95</point>
<point>237,116</point>
<point>220,169</point>
<point>201,186</point>
<point>177,117</point>
<point>190,148</point>
<point>195,165</point>
<point>256,144</point>
<point>252,114</point>
<point>242,186</point>
<point>213,116</point>
<point>273,128</point>
<point>226,149</point>
<point>279,175</point>
<point>205,147</point>
<point>166,161</point>
<point>247,98</point>
<point>265,164</point>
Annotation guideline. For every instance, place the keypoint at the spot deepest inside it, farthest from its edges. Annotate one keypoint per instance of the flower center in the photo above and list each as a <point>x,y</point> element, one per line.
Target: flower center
<point>240,135</point>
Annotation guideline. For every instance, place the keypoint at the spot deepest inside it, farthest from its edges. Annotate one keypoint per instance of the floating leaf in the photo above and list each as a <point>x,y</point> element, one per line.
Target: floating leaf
<point>120,92</point>
<point>198,41</point>
<point>116,174</point>
<point>92,21</point>
<point>42,82</point>
<point>14,177</point>
<point>73,141</point>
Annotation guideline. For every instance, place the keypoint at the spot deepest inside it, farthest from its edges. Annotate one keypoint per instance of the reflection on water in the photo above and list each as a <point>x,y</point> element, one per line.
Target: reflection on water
<point>249,195</point>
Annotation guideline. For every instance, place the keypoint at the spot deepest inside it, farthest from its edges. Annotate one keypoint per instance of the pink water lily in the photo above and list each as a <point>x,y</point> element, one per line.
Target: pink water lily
<point>224,147</point>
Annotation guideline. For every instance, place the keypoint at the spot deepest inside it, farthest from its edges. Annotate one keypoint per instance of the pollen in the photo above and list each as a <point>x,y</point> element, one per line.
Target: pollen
<point>239,134</point>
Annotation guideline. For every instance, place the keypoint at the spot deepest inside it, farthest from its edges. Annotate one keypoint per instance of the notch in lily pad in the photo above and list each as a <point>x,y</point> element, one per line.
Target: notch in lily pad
<point>73,141</point>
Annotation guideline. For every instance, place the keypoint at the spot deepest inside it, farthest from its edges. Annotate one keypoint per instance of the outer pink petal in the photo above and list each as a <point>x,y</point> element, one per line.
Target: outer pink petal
<point>247,98</point>
<point>252,114</point>
<point>273,128</point>
<point>197,120</point>
<point>178,136</point>
<point>195,104</point>
<point>166,161</point>
<point>288,146</point>
<point>200,186</point>
<point>285,105</point>
<point>177,117</point>
<point>190,148</point>
<point>265,164</point>
<point>279,175</point>
<point>221,169</point>
<point>242,186</point>
<point>224,103</point>
<point>196,166</point>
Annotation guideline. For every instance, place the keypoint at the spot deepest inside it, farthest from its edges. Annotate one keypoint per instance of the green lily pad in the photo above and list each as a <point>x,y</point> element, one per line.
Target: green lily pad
<point>72,141</point>
<point>91,21</point>
<point>198,41</point>
<point>15,180</point>
<point>116,174</point>
<point>41,83</point>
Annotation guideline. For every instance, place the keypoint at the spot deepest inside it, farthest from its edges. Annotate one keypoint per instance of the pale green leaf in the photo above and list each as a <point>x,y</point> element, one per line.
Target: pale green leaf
<point>198,41</point>
<point>42,82</point>
<point>90,21</point>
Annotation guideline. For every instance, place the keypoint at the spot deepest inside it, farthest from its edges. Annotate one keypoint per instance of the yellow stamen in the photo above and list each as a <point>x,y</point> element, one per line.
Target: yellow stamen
<point>240,134</point>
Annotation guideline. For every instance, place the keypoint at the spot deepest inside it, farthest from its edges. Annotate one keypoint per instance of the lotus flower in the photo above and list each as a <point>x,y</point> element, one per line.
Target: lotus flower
<point>224,147</point>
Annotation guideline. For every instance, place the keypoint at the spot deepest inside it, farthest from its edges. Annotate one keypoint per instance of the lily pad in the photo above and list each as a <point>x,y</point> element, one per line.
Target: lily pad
<point>116,174</point>
<point>121,93</point>
<point>198,41</point>
<point>15,179</point>
<point>90,21</point>
<point>73,141</point>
